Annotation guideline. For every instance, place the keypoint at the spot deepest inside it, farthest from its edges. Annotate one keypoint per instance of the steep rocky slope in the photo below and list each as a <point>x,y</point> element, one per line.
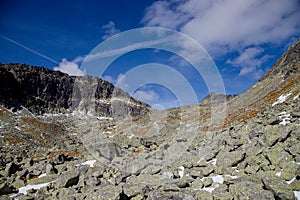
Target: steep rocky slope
<point>242,147</point>
<point>45,91</point>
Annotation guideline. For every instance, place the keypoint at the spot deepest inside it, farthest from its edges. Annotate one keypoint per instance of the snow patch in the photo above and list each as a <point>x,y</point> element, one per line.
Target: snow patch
<point>130,136</point>
<point>218,179</point>
<point>296,97</point>
<point>208,189</point>
<point>281,99</point>
<point>297,194</point>
<point>213,162</point>
<point>17,128</point>
<point>104,118</point>
<point>88,162</point>
<point>167,175</point>
<point>181,171</point>
<point>278,174</point>
<point>290,181</point>
<point>23,190</point>
<point>285,118</point>
<point>42,175</point>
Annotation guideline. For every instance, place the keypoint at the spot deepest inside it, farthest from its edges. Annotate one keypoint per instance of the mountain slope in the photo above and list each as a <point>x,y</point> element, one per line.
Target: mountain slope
<point>242,147</point>
<point>45,91</point>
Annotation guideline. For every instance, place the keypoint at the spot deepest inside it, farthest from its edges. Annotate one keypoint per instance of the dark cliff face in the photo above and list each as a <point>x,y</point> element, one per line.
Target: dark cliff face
<point>42,90</point>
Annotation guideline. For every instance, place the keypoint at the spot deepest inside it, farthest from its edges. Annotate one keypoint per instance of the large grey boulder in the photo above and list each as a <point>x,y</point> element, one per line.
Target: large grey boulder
<point>278,186</point>
<point>249,190</point>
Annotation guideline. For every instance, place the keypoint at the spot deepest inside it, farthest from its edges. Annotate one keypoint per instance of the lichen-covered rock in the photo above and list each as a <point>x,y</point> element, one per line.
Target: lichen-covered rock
<point>249,190</point>
<point>68,178</point>
<point>6,189</point>
<point>278,186</point>
<point>230,159</point>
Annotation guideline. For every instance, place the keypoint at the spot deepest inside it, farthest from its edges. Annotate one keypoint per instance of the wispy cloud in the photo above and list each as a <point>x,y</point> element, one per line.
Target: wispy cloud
<point>146,96</point>
<point>29,49</point>
<point>69,67</point>
<point>250,61</point>
<point>227,26</point>
<point>128,48</point>
<point>109,30</point>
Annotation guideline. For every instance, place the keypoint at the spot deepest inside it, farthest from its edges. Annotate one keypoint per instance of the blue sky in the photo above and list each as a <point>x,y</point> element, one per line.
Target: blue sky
<point>244,38</point>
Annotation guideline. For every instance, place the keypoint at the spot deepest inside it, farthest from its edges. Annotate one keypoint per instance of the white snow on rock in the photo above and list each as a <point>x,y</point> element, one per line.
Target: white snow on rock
<point>297,194</point>
<point>23,190</point>
<point>281,99</point>
<point>218,179</point>
<point>209,189</point>
<point>290,181</point>
<point>104,118</point>
<point>167,175</point>
<point>213,162</point>
<point>88,162</point>
<point>296,96</point>
<point>181,171</point>
<point>42,175</point>
<point>285,118</point>
<point>278,174</point>
<point>18,128</point>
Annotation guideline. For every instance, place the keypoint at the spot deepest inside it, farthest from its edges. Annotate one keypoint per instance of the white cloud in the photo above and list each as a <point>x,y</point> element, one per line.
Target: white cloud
<point>249,61</point>
<point>158,107</point>
<point>69,67</point>
<point>227,23</point>
<point>109,30</point>
<point>146,95</point>
<point>109,79</point>
<point>226,26</point>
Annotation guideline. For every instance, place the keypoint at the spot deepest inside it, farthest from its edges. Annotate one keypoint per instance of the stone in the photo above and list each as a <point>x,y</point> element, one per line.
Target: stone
<point>278,186</point>
<point>18,183</point>
<point>295,184</point>
<point>151,169</point>
<point>249,190</point>
<point>221,193</point>
<point>50,169</point>
<point>170,187</point>
<point>278,155</point>
<point>11,168</point>
<point>230,159</point>
<point>148,141</point>
<point>207,170</point>
<point>68,179</point>
<point>289,170</point>
<point>203,195</point>
<point>6,189</point>
<point>110,192</point>
<point>197,184</point>
<point>196,172</point>
<point>132,190</point>
<point>207,182</point>
<point>108,150</point>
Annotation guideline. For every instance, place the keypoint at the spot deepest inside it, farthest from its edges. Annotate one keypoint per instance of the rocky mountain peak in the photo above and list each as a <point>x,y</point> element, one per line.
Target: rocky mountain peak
<point>45,91</point>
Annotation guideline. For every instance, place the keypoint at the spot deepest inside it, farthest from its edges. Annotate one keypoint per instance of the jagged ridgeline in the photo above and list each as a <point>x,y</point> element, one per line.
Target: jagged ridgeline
<point>248,149</point>
<point>45,91</point>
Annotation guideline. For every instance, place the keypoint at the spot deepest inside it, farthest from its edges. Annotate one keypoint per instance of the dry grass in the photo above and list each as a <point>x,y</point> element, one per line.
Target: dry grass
<point>13,140</point>
<point>65,152</point>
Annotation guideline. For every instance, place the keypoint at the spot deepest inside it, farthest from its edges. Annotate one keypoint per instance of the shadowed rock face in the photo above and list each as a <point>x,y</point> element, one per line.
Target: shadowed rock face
<point>45,91</point>
<point>254,153</point>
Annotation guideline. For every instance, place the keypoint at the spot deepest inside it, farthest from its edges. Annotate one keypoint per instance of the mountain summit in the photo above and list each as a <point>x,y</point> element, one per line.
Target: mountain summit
<point>225,147</point>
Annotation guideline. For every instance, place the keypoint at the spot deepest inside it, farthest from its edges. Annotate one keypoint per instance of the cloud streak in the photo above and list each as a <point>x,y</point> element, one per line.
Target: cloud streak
<point>109,30</point>
<point>29,49</point>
